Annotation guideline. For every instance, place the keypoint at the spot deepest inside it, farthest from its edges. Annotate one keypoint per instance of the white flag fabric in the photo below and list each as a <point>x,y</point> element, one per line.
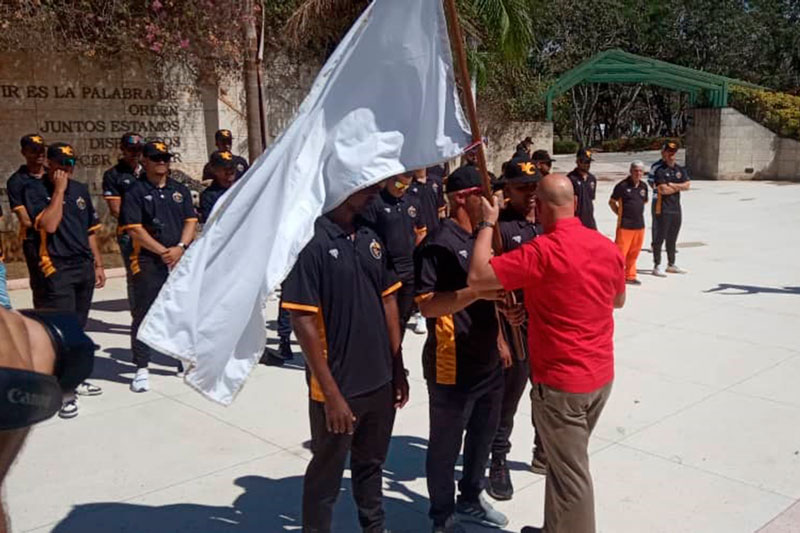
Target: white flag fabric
<point>384,102</point>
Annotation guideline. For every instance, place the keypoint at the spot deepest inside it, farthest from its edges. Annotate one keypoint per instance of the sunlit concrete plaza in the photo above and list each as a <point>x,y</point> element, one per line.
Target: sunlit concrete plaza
<point>701,434</point>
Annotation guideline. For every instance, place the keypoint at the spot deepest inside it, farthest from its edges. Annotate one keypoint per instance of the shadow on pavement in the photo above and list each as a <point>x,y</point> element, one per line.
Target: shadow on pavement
<point>113,306</point>
<point>266,505</point>
<point>99,326</point>
<point>739,290</point>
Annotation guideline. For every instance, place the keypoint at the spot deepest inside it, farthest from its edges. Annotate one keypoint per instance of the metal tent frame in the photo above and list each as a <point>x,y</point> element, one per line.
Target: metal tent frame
<point>618,66</point>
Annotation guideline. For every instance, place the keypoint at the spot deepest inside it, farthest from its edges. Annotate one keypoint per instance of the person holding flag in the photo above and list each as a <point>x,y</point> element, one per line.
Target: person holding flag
<point>385,103</point>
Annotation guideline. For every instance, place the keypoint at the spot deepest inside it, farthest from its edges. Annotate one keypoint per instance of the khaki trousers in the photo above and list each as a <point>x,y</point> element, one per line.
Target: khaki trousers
<point>565,421</point>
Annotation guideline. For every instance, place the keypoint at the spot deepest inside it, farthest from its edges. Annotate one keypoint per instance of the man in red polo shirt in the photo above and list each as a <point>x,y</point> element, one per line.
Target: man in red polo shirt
<point>572,278</point>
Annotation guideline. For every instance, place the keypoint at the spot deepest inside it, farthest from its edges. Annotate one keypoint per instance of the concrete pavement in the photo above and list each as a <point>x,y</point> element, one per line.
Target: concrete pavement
<point>701,434</point>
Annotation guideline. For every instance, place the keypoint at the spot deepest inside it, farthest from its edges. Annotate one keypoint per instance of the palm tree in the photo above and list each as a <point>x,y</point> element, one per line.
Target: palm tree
<point>503,26</point>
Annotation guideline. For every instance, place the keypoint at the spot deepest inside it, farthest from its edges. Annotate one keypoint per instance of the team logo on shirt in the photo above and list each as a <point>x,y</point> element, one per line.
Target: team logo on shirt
<point>126,181</point>
<point>412,211</point>
<point>81,203</point>
<point>593,185</point>
<point>107,193</point>
<point>436,187</point>
<point>463,253</point>
<point>240,167</point>
<point>387,209</point>
<point>334,253</point>
<point>148,197</point>
<point>678,175</point>
<point>517,239</point>
<point>642,193</point>
<point>375,249</point>
<point>177,197</point>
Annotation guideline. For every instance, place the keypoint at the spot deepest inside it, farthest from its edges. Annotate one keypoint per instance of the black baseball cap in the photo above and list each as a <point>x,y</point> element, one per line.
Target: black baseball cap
<point>542,155</point>
<point>32,140</point>
<point>521,170</point>
<point>132,141</point>
<point>670,146</point>
<point>466,177</point>
<point>156,148</point>
<point>585,154</point>
<point>61,154</point>
<point>222,158</point>
<point>223,135</point>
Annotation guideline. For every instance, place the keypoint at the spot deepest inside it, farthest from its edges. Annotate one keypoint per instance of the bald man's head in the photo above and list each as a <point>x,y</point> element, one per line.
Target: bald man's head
<point>556,198</point>
<point>556,189</point>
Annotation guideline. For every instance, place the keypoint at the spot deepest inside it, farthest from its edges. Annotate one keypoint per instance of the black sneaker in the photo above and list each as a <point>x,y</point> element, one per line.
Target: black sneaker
<point>450,526</point>
<point>539,463</point>
<point>270,359</point>
<point>500,487</point>
<point>480,512</point>
<point>285,350</point>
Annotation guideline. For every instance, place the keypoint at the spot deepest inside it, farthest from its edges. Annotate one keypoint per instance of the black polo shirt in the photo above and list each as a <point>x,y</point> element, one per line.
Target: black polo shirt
<point>118,179</point>
<point>396,221</point>
<point>16,185</point>
<point>71,239</point>
<point>208,198</point>
<point>585,190</point>
<point>631,199</point>
<point>515,229</point>
<point>461,348</point>
<point>430,198</point>
<point>160,211</point>
<point>343,279</point>
<point>669,203</point>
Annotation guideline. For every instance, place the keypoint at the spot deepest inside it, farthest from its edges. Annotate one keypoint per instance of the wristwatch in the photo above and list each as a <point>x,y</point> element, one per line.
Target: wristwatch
<point>484,224</point>
<point>183,246</point>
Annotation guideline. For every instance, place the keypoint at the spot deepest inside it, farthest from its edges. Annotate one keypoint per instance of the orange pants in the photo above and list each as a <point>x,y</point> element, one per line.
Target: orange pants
<point>630,244</point>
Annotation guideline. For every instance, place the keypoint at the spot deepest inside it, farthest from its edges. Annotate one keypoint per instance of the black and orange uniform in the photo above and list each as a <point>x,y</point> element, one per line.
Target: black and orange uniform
<point>515,230</point>
<point>208,198</point>
<point>631,199</point>
<point>343,278</point>
<point>162,212</point>
<point>15,187</point>
<point>64,258</point>
<point>430,198</point>
<point>117,181</point>
<point>398,221</point>
<point>585,189</point>
<point>668,212</point>
<point>462,368</point>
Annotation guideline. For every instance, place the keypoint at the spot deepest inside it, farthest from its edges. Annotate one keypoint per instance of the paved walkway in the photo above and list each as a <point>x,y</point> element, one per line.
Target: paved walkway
<point>702,432</point>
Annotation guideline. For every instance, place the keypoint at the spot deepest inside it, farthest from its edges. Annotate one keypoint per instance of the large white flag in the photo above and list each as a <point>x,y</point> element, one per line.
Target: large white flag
<point>385,102</point>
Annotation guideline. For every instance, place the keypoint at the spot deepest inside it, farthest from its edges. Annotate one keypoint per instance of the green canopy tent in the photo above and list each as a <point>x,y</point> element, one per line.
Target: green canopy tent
<point>617,66</point>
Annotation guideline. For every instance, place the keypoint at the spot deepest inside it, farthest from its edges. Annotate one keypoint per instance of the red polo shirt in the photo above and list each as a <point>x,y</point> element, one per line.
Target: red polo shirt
<point>570,277</point>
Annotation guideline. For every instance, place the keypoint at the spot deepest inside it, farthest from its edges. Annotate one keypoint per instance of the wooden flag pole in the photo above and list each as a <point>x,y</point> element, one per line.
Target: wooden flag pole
<point>457,42</point>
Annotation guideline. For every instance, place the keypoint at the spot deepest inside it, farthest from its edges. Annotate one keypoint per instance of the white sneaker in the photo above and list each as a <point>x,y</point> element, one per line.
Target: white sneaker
<point>69,409</point>
<point>141,381</point>
<point>658,270</point>
<point>88,389</point>
<point>674,269</point>
<point>420,327</point>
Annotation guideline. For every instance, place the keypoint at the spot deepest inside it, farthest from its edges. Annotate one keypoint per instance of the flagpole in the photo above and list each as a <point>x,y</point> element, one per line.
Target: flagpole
<point>457,42</point>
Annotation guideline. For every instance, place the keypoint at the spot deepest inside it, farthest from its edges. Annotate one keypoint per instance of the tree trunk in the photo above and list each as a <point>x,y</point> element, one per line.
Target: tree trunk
<point>255,144</point>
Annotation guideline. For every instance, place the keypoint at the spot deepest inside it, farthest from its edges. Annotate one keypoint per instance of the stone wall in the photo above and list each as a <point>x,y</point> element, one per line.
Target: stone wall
<point>727,145</point>
<point>90,103</point>
<point>503,137</point>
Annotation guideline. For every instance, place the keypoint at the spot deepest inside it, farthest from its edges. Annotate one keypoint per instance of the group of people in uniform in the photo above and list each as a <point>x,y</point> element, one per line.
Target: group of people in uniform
<point>156,222</point>
<point>391,250</point>
<point>398,248</point>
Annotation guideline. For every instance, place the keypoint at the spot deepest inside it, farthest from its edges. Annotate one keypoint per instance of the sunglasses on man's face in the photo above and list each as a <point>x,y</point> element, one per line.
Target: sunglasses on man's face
<point>160,158</point>
<point>400,186</point>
